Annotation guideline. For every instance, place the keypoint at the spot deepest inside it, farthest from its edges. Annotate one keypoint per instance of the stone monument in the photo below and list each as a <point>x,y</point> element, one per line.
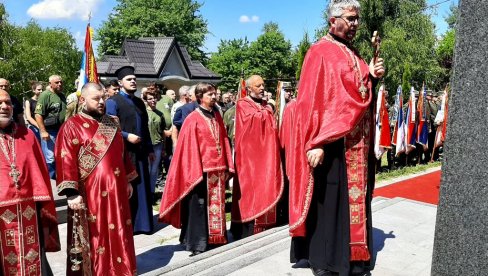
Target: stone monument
<point>461,237</point>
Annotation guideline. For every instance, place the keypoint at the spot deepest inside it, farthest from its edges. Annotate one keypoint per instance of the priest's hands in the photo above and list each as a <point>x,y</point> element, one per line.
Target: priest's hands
<point>377,69</point>
<point>129,190</point>
<point>75,202</point>
<point>134,139</point>
<point>315,157</point>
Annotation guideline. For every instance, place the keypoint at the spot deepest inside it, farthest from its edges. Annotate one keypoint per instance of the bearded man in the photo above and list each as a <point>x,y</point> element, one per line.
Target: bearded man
<point>259,184</point>
<point>332,165</point>
<point>94,174</point>
<point>28,225</point>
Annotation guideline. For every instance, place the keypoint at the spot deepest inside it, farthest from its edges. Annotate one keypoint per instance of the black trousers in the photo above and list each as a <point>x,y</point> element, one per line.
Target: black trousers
<point>326,245</point>
<point>194,232</point>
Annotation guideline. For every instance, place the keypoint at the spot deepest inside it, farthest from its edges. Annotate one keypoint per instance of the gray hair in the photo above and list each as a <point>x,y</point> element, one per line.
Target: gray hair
<point>337,7</point>
<point>183,91</point>
<point>191,90</point>
<point>53,77</point>
<point>250,79</point>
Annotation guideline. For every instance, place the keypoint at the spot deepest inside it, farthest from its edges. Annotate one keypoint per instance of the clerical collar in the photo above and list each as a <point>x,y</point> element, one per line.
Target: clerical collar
<point>207,113</point>
<point>93,115</point>
<point>341,40</point>
<point>256,99</point>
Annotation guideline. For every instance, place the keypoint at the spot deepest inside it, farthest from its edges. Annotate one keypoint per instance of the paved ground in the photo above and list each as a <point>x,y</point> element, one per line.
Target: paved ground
<point>403,241</point>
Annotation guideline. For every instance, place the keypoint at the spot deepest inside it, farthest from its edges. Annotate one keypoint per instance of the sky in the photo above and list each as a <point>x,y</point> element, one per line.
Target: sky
<point>227,19</point>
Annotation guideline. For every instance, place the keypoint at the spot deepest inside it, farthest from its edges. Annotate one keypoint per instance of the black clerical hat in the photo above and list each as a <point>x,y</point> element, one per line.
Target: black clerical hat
<point>124,71</point>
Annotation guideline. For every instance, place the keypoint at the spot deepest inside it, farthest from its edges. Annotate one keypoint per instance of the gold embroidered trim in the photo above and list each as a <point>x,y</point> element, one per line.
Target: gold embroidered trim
<point>8,216</point>
<point>11,258</point>
<point>29,212</point>
<point>67,184</point>
<point>75,141</point>
<point>18,200</point>
<point>31,256</point>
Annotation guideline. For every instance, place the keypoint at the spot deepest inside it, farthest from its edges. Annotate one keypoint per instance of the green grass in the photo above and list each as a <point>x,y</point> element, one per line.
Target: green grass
<point>405,171</point>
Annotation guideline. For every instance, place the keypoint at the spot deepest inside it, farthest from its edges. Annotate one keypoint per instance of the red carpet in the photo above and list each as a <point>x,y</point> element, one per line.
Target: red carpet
<point>423,188</point>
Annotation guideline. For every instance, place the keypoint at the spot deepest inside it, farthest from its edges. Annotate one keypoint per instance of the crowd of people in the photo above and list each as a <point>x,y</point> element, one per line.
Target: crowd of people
<point>114,155</point>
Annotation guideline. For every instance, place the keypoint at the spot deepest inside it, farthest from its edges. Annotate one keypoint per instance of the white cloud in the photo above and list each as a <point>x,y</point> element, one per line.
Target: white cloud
<point>63,9</point>
<point>247,19</point>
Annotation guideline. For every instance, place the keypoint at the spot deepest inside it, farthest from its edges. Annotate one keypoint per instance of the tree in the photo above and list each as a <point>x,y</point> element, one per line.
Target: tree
<point>230,61</point>
<point>452,17</point>
<point>445,48</point>
<point>302,49</point>
<point>153,18</point>
<point>408,36</point>
<point>32,53</point>
<point>270,56</point>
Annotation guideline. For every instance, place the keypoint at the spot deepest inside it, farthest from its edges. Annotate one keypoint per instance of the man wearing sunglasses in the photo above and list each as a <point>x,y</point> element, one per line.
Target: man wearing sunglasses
<point>330,168</point>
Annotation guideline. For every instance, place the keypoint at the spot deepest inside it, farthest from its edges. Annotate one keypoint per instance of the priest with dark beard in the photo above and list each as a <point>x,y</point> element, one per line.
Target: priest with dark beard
<point>94,173</point>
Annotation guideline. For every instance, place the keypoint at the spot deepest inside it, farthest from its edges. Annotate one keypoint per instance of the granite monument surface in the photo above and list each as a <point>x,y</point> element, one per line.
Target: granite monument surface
<point>461,238</point>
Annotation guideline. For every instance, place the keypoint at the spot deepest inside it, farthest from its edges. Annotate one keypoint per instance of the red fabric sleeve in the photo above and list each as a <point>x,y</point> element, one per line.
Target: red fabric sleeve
<point>66,152</point>
<point>258,164</point>
<point>328,107</point>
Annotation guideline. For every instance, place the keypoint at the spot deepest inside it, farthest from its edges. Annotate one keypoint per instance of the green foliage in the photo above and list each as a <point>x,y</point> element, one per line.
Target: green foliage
<point>230,61</point>
<point>300,53</point>
<point>445,53</point>
<point>408,41</point>
<point>32,53</point>
<point>451,19</point>
<point>406,77</point>
<point>154,18</point>
<point>269,56</point>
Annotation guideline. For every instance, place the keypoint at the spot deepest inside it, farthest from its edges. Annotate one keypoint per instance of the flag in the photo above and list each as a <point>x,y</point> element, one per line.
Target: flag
<point>399,131</point>
<point>88,70</point>
<point>410,128</point>
<point>423,128</point>
<point>280,103</point>
<point>241,89</point>
<point>382,135</point>
<point>241,93</point>
<point>440,135</point>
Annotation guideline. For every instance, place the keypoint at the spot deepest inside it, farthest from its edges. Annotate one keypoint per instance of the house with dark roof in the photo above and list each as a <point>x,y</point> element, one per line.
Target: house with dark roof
<point>157,59</point>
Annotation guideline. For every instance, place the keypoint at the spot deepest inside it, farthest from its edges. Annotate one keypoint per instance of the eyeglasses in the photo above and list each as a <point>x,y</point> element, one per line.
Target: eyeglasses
<point>350,19</point>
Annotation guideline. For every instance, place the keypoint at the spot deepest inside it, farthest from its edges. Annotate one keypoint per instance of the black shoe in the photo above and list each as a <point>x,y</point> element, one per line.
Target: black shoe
<point>196,252</point>
<point>302,263</point>
<point>321,272</point>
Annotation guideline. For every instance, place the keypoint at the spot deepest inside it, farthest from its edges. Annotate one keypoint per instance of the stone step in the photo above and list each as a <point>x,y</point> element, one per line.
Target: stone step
<point>237,255</point>
<point>224,254</point>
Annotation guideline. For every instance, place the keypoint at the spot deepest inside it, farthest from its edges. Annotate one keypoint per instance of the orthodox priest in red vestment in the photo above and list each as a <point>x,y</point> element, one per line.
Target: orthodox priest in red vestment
<point>259,183</point>
<point>194,195</point>
<point>331,168</point>
<point>28,224</point>
<point>94,172</point>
